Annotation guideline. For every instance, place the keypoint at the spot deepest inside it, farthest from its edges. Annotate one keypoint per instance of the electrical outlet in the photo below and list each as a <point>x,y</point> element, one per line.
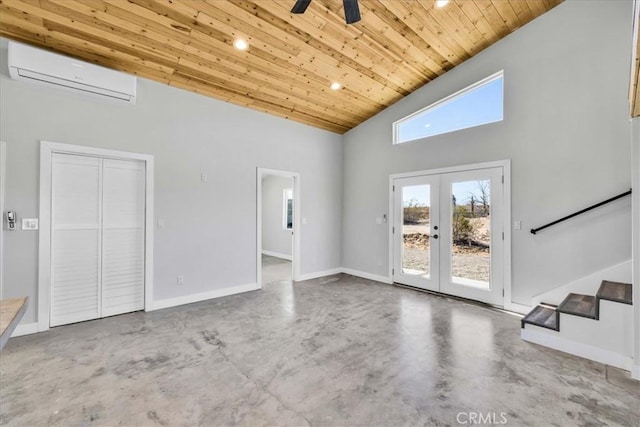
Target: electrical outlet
<point>180,280</point>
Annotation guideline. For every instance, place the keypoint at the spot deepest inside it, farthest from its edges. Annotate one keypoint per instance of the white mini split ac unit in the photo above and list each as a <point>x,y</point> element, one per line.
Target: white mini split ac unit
<point>40,66</point>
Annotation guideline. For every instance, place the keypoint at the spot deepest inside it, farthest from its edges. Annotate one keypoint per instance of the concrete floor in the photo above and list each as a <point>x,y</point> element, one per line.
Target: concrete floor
<point>333,351</point>
<point>275,269</point>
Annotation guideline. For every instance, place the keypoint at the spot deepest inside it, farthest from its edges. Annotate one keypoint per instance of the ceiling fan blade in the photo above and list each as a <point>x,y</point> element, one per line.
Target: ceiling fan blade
<point>300,6</point>
<point>351,11</point>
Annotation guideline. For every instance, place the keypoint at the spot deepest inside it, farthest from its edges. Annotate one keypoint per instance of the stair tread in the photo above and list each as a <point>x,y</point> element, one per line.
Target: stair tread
<point>615,291</point>
<point>579,305</point>
<point>544,317</point>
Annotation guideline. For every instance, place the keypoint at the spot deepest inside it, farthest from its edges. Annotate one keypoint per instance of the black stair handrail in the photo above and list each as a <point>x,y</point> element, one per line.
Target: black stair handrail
<point>597,205</point>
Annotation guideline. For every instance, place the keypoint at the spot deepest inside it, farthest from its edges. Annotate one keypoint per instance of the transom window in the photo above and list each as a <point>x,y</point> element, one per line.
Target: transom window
<point>476,105</point>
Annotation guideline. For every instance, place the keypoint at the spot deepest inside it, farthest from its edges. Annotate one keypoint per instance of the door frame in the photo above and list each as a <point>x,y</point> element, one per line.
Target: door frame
<point>295,250</point>
<point>47,149</point>
<point>506,165</point>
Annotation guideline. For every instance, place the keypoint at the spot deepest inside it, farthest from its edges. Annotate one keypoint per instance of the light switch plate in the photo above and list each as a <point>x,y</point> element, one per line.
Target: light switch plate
<point>29,223</point>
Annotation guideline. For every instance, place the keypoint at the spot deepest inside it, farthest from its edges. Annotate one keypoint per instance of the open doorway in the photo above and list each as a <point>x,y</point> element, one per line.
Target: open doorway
<point>277,226</point>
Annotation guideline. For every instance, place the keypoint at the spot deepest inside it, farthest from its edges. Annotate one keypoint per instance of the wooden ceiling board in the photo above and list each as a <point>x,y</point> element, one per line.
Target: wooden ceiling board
<point>397,47</point>
<point>634,80</point>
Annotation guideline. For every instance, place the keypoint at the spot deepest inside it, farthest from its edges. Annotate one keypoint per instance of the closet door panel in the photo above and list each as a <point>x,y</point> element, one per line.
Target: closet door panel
<point>75,239</point>
<point>123,236</point>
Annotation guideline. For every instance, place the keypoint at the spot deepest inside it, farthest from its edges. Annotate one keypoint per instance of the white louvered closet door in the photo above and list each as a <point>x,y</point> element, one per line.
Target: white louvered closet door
<point>75,239</point>
<point>123,184</point>
<point>97,257</point>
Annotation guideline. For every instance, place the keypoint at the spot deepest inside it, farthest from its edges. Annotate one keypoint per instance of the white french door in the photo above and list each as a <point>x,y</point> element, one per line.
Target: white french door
<point>416,231</point>
<point>448,233</point>
<point>97,237</point>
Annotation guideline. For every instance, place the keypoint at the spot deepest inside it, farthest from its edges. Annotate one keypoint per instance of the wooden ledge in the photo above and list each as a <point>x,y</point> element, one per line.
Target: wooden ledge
<point>11,312</point>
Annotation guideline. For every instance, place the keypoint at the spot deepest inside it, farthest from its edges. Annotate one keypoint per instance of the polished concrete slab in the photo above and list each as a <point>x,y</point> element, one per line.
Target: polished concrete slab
<point>339,351</point>
<point>275,269</point>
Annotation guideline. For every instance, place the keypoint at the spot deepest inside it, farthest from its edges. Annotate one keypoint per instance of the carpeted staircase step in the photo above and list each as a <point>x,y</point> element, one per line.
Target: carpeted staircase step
<point>580,305</point>
<point>545,317</point>
<point>615,291</point>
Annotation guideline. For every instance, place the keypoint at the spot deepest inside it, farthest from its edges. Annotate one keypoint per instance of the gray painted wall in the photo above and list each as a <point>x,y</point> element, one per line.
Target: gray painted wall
<point>274,237</point>
<point>210,228</point>
<point>566,131</point>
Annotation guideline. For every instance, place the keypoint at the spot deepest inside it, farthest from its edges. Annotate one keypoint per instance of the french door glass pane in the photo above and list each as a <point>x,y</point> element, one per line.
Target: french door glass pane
<point>416,203</point>
<point>471,233</point>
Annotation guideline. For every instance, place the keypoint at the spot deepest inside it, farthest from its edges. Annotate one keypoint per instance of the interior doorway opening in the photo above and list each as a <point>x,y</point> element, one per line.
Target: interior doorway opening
<point>277,226</point>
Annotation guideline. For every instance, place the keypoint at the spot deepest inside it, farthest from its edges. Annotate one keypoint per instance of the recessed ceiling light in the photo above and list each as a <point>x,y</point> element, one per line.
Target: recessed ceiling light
<point>441,3</point>
<point>240,44</point>
<point>335,86</point>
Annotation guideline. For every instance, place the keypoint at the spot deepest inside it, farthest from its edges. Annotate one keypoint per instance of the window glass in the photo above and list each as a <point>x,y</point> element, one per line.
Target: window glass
<point>476,105</point>
<point>288,209</point>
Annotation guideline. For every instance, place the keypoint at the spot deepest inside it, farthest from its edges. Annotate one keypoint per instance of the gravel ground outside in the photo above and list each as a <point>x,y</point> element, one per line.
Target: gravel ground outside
<point>468,262</point>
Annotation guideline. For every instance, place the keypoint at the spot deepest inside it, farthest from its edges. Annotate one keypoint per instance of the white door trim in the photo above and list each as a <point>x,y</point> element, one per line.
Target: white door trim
<point>44,251</point>
<point>261,172</point>
<point>506,165</point>
<point>3,164</point>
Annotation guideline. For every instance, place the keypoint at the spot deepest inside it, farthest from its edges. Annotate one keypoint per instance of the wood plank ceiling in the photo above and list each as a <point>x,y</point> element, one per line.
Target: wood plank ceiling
<point>397,47</point>
<point>634,90</point>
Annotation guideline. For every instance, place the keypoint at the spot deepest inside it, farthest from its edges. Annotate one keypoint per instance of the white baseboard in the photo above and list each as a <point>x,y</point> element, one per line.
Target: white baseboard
<point>277,255</point>
<point>365,275</point>
<point>317,274</point>
<point>25,329</point>
<point>517,308</point>
<point>635,372</point>
<point>357,273</point>
<point>578,349</point>
<point>217,293</point>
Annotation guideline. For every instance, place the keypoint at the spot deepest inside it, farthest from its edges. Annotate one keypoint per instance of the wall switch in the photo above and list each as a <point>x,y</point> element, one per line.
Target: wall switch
<point>517,225</point>
<point>180,280</point>
<point>160,223</point>
<point>304,220</point>
<point>203,177</point>
<point>378,220</point>
<point>29,223</point>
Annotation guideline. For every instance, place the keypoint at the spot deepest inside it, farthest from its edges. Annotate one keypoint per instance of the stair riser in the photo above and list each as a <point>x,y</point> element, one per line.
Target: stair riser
<point>613,332</point>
